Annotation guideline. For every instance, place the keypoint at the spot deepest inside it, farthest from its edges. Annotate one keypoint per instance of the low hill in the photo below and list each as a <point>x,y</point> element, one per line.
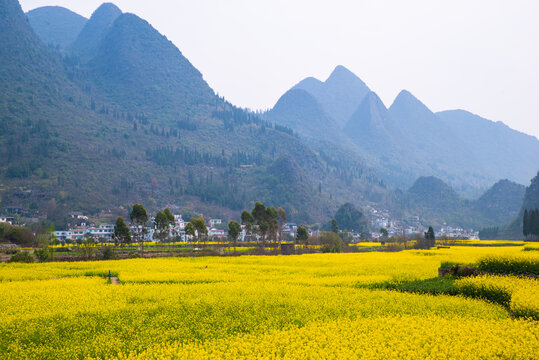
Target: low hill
<point>531,201</point>
<point>502,202</point>
<point>437,203</point>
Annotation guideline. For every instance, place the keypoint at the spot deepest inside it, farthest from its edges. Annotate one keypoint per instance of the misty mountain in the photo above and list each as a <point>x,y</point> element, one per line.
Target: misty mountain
<point>498,149</point>
<point>408,140</point>
<point>339,95</point>
<point>56,25</point>
<point>300,111</point>
<point>437,203</point>
<point>94,30</point>
<point>513,231</point>
<point>501,202</point>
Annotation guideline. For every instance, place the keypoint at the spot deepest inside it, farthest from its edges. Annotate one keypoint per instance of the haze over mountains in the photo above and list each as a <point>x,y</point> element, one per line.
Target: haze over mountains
<point>408,140</point>
<point>113,113</point>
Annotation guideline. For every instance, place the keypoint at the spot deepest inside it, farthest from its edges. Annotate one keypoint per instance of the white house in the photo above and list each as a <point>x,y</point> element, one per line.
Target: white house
<point>7,219</point>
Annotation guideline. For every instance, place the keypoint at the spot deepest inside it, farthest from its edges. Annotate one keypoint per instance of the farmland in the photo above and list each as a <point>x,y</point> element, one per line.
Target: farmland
<point>318,306</point>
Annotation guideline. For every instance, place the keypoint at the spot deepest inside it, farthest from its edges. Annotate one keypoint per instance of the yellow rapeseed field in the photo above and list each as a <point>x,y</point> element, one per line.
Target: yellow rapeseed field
<point>256,307</point>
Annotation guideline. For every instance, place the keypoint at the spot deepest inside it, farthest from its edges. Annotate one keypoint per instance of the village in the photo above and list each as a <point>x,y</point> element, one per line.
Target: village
<point>384,226</point>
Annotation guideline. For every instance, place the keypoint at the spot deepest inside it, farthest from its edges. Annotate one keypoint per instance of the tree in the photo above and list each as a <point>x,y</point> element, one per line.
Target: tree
<point>429,237</point>
<point>247,219</point>
<point>334,226</point>
<point>122,235</point>
<point>272,220</point>
<point>351,219</point>
<point>170,216</point>
<point>525,224</point>
<point>201,230</point>
<point>282,221</point>
<point>331,242</point>
<point>190,230</point>
<point>260,216</point>
<point>234,230</point>
<point>384,233</point>
<point>139,217</point>
<point>259,212</point>
<point>302,235</point>
<point>162,224</point>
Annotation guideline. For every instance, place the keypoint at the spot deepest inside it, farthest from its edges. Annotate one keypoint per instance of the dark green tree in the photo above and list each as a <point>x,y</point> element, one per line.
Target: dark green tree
<point>525,224</point>
<point>201,230</point>
<point>234,230</point>
<point>122,234</point>
<point>282,221</point>
<point>190,230</point>
<point>170,216</point>
<point>430,238</point>
<point>139,218</point>
<point>162,225</point>
<point>302,235</point>
<point>350,218</point>
<point>334,226</point>
<point>247,219</point>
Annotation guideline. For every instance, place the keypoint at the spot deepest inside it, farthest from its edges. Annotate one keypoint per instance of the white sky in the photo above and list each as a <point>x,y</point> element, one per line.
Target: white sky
<point>478,55</point>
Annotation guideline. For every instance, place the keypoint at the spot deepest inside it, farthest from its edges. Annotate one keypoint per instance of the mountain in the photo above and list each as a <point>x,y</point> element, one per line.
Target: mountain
<point>136,122</point>
<point>513,231</point>
<point>300,111</point>
<point>339,95</point>
<point>502,202</point>
<point>167,85</point>
<point>436,203</point>
<point>372,128</point>
<point>501,151</point>
<point>408,140</point>
<point>56,25</point>
<point>434,148</point>
<point>94,30</point>
<point>531,197</point>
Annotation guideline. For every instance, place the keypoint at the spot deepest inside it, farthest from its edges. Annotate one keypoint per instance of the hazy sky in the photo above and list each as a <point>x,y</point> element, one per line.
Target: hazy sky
<point>478,55</point>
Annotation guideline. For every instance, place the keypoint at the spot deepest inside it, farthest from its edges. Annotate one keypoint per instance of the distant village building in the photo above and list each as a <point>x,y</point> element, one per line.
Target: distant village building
<point>7,219</point>
<point>216,232</point>
<point>215,222</point>
<point>15,210</point>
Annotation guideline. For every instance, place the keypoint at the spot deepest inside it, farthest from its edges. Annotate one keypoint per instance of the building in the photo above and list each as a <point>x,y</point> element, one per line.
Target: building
<point>216,232</point>
<point>12,210</point>
<point>7,219</point>
<point>214,222</point>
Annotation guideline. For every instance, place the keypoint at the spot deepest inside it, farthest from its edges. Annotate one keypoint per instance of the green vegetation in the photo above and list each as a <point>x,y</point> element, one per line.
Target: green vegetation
<point>509,265</point>
<point>22,257</point>
<point>16,235</point>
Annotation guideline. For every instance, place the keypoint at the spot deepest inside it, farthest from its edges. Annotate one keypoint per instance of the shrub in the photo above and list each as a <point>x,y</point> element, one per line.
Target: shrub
<point>509,265</point>
<point>108,253</point>
<point>22,257</point>
<point>42,254</point>
<point>488,292</point>
<point>331,242</point>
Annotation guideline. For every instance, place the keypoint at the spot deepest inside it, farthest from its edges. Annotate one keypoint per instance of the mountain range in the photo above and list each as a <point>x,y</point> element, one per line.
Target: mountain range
<point>103,112</point>
<point>407,140</point>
